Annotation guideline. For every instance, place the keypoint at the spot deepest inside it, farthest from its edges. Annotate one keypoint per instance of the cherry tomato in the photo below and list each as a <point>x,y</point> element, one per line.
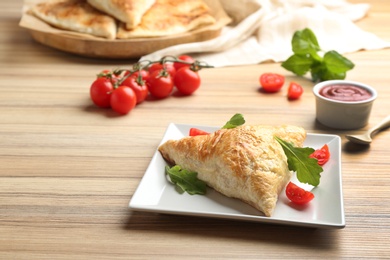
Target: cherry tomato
<point>187,81</point>
<point>185,58</point>
<point>109,74</point>
<point>123,100</point>
<point>271,82</point>
<point>104,73</point>
<point>294,91</point>
<point>100,91</point>
<point>322,155</point>
<point>298,195</point>
<point>140,89</point>
<point>197,131</point>
<point>144,74</point>
<point>158,66</point>
<point>160,85</point>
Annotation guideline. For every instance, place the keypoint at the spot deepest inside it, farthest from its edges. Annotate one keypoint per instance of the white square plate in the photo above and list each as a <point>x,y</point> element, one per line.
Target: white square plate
<point>326,210</point>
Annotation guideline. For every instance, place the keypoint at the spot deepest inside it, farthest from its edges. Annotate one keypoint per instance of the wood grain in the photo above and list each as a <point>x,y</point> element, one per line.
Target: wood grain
<point>68,169</point>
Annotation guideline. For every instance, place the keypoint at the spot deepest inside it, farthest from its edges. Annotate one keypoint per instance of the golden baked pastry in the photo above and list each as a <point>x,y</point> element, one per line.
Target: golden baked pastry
<point>128,11</point>
<point>167,17</point>
<point>245,162</point>
<point>76,15</point>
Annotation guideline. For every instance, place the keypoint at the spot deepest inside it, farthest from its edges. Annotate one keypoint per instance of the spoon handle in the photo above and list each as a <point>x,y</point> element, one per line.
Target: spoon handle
<point>381,125</point>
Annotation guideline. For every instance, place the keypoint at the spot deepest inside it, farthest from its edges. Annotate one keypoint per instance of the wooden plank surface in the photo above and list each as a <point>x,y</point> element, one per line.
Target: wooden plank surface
<point>68,169</point>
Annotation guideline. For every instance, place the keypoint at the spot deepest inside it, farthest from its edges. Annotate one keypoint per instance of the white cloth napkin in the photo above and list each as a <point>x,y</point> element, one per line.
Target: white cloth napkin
<point>263,29</point>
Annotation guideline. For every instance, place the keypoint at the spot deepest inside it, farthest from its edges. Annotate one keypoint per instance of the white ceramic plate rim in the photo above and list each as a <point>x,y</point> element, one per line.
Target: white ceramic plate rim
<point>156,194</point>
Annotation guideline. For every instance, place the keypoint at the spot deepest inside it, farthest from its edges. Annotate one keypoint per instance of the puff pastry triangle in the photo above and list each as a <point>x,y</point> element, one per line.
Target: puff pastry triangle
<point>246,162</point>
<point>76,15</point>
<point>128,11</point>
<point>168,17</point>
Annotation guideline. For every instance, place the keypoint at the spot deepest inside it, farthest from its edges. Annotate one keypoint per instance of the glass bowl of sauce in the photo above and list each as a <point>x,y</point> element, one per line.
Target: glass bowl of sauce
<point>343,104</point>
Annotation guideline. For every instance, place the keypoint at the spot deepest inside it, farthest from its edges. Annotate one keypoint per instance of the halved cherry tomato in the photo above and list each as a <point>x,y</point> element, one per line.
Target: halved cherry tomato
<point>322,155</point>
<point>123,99</point>
<point>139,87</point>
<point>187,81</point>
<point>160,85</point>
<point>186,58</point>
<point>271,82</point>
<point>294,91</point>
<point>100,91</point>
<point>197,131</point>
<point>298,195</point>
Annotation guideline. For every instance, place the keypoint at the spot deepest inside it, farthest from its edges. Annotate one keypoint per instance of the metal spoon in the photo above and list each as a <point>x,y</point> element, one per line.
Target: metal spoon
<point>366,138</point>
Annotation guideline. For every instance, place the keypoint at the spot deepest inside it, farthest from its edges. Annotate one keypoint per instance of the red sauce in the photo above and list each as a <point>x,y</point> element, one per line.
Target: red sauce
<point>345,92</point>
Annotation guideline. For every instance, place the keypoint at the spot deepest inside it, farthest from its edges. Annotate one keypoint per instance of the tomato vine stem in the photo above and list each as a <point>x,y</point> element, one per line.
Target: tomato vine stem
<point>145,64</point>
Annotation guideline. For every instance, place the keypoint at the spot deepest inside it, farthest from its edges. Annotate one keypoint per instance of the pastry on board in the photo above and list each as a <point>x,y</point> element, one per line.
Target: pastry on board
<point>76,15</point>
<point>167,17</point>
<point>245,162</point>
<point>137,18</point>
<point>129,12</point>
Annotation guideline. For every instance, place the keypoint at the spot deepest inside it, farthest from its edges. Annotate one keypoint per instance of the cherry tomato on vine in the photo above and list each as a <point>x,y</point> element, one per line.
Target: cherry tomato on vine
<point>271,82</point>
<point>187,81</point>
<point>158,66</point>
<point>185,58</point>
<point>100,91</point>
<point>144,74</point>
<point>123,99</point>
<point>322,155</point>
<point>109,74</point>
<point>103,73</point>
<point>294,91</point>
<point>160,85</point>
<point>196,131</point>
<point>298,195</point>
<point>140,89</point>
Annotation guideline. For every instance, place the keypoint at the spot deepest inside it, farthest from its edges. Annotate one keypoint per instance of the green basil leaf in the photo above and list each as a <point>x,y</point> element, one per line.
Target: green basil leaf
<point>298,64</point>
<point>305,42</point>
<point>337,63</point>
<point>320,72</point>
<point>186,181</point>
<point>236,120</point>
<point>307,169</point>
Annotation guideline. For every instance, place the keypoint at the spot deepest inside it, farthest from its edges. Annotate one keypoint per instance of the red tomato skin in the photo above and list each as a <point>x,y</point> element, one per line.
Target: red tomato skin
<point>158,67</point>
<point>322,155</point>
<point>271,82</point>
<point>108,74</point>
<point>100,92</point>
<point>144,74</point>
<point>298,195</point>
<point>103,73</point>
<point>294,91</point>
<point>140,90</point>
<point>187,81</point>
<point>196,131</point>
<point>160,86</point>
<point>185,58</point>
<point>123,100</point>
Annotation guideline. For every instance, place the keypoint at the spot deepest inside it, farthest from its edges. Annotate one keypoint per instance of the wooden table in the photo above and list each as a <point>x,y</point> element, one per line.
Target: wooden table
<point>69,169</point>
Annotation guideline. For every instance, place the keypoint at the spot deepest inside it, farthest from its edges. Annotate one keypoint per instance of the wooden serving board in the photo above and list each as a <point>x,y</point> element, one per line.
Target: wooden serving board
<point>90,46</point>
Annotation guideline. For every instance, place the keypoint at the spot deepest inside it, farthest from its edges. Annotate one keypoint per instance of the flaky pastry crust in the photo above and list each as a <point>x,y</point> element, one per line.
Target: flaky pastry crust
<point>76,15</point>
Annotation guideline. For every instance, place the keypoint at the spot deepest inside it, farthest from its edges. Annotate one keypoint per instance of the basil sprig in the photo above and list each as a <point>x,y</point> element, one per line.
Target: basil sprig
<point>306,57</point>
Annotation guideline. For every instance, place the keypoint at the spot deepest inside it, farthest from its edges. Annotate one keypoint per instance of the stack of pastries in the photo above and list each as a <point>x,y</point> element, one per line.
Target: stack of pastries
<point>125,19</point>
